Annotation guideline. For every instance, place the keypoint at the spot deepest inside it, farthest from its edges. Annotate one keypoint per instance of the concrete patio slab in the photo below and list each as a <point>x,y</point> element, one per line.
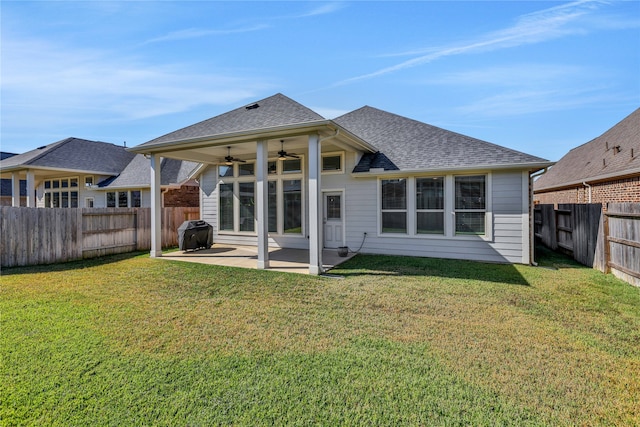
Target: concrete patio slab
<point>286,260</point>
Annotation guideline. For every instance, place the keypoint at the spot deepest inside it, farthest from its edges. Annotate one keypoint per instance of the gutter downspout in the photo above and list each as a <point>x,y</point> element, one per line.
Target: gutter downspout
<point>589,187</point>
<point>532,236</point>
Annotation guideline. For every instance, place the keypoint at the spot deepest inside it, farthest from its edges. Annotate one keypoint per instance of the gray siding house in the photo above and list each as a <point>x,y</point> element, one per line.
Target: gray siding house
<point>77,172</point>
<point>275,173</point>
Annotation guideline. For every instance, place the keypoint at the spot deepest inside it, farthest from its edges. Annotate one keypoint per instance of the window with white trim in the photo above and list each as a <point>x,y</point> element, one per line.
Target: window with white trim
<point>332,163</point>
<point>124,199</point>
<point>237,203</point>
<point>61,193</point>
<point>470,204</point>
<point>394,206</point>
<point>430,205</point>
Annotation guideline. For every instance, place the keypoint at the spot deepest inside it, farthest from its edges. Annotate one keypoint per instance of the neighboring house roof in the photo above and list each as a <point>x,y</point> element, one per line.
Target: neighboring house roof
<point>614,154</point>
<point>407,144</point>
<point>137,173</point>
<point>277,110</point>
<point>5,155</point>
<point>73,154</point>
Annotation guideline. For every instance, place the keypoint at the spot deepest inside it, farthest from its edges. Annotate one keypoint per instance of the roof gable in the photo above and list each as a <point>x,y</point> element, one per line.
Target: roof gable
<point>407,144</point>
<point>276,110</point>
<point>74,154</point>
<point>608,155</point>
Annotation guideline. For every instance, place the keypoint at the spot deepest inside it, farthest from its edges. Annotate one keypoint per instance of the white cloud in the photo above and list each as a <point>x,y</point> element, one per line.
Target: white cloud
<point>532,28</point>
<point>192,33</point>
<point>51,80</point>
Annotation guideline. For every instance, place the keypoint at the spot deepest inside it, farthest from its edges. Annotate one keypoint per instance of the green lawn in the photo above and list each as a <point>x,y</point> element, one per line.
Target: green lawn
<point>130,340</point>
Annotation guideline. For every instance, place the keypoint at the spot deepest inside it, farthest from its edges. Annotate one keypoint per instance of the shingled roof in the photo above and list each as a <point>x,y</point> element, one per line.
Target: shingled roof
<point>616,153</point>
<point>274,111</point>
<point>73,154</point>
<point>406,144</point>
<point>137,174</point>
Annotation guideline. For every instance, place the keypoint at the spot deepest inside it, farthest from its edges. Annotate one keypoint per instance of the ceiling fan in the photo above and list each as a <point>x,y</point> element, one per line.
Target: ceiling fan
<point>283,155</point>
<point>228,160</point>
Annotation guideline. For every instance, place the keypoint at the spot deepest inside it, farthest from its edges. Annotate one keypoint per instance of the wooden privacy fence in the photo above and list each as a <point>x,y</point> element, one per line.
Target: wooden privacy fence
<point>32,236</point>
<point>620,235</point>
<point>572,228</point>
<point>607,241</point>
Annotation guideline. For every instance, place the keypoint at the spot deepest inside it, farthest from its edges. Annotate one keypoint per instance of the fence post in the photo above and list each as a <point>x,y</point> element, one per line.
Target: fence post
<point>607,245</point>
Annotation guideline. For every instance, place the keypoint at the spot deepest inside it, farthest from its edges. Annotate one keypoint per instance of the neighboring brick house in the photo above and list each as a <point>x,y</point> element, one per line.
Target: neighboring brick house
<point>76,172</point>
<point>604,170</point>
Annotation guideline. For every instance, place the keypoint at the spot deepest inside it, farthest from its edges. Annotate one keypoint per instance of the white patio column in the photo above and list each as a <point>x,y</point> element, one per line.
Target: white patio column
<point>262,204</point>
<point>315,207</point>
<point>15,189</point>
<point>31,190</point>
<point>156,207</point>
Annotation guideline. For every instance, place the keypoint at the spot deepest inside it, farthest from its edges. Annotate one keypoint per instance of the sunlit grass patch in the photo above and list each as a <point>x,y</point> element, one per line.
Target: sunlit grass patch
<point>398,341</point>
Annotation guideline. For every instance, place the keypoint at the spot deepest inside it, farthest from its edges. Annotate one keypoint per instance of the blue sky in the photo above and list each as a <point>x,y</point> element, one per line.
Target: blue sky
<point>539,77</point>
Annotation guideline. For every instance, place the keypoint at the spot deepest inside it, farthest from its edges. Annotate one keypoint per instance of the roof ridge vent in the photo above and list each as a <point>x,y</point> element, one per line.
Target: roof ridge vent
<point>252,106</point>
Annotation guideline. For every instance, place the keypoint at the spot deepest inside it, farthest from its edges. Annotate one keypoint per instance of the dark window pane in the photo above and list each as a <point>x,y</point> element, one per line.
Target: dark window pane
<point>272,167</point>
<point>292,199</point>
<point>111,199</point>
<point>470,192</point>
<point>65,183</point>
<point>332,163</point>
<point>74,199</point>
<point>470,222</point>
<point>273,207</point>
<point>333,207</point>
<point>73,182</point>
<point>394,194</point>
<point>245,169</point>
<point>224,170</point>
<point>226,207</point>
<point>135,199</point>
<point>430,223</point>
<point>430,193</point>
<point>247,206</point>
<point>47,184</point>
<point>56,183</point>
<point>123,199</point>
<point>47,200</point>
<point>56,200</point>
<point>290,166</point>
<point>394,222</point>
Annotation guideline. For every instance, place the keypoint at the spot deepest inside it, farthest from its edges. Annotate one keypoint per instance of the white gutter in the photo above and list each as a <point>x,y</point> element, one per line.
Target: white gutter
<point>589,187</point>
<point>479,168</point>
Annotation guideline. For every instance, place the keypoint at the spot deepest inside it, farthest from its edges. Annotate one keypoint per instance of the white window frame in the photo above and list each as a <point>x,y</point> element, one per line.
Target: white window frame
<point>278,177</point>
<point>449,208</point>
<point>442,211</point>
<point>333,154</point>
<point>60,190</point>
<point>406,209</point>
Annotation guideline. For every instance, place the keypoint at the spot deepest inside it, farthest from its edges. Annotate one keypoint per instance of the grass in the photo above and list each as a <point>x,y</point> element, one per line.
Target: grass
<point>129,340</point>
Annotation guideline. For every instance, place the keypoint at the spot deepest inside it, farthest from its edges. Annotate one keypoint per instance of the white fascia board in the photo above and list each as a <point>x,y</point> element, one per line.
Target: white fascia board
<point>276,132</point>
<point>40,169</point>
<point>470,169</point>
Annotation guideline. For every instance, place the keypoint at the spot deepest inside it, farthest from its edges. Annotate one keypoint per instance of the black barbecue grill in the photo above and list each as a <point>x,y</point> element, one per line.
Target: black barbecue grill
<point>195,235</point>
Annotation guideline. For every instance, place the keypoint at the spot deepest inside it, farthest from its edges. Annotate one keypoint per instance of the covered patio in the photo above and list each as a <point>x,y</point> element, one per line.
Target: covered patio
<point>280,259</point>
